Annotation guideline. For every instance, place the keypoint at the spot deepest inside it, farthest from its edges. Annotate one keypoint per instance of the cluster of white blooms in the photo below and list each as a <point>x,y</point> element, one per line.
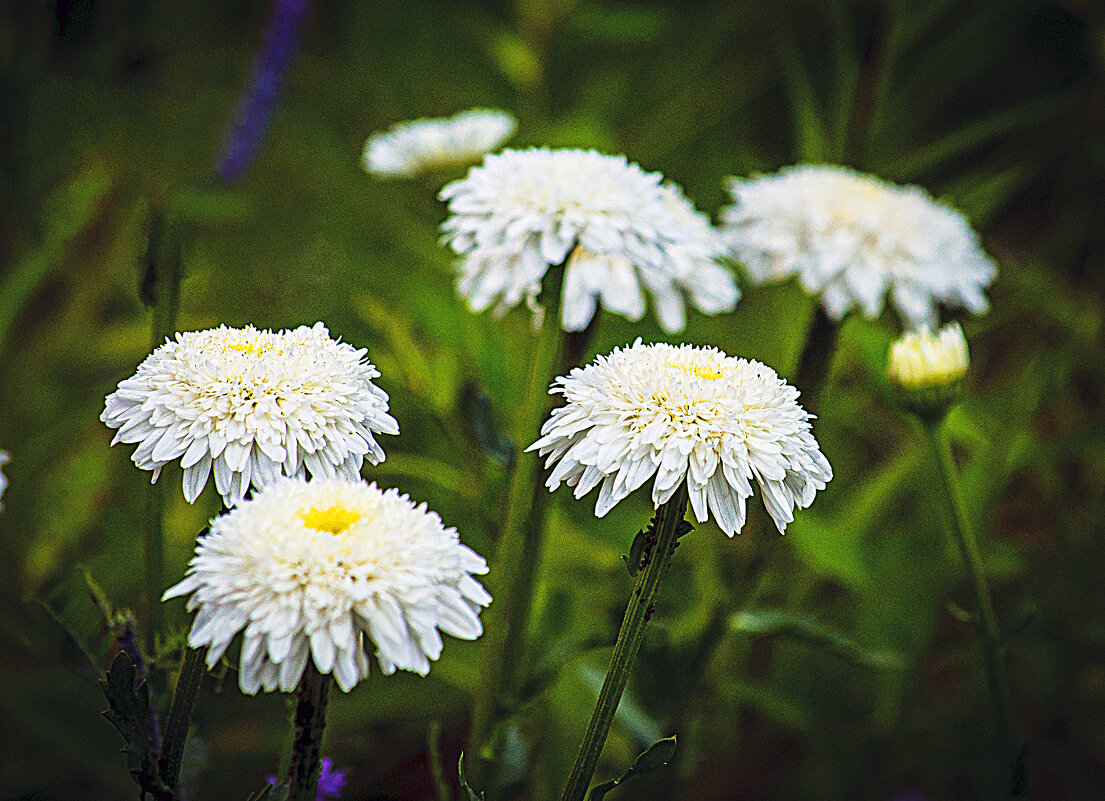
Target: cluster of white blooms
<point>853,238</point>
<point>924,359</point>
<point>614,227</point>
<point>425,145</point>
<point>684,414</point>
<point>251,405</point>
<point>316,570</point>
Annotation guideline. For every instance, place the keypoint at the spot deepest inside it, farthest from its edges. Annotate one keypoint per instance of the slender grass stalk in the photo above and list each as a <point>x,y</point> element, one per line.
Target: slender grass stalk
<point>310,722</point>
<point>519,545</point>
<point>180,715</point>
<point>989,634</point>
<point>161,289</point>
<point>632,633</point>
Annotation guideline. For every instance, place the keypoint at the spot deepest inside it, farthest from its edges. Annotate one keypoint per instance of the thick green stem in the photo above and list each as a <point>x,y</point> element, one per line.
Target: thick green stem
<point>160,287</point>
<point>632,633</point>
<point>515,567</point>
<point>990,635</point>
<point>180,715</point>
<point>310,722</point>
<point>816,358</point>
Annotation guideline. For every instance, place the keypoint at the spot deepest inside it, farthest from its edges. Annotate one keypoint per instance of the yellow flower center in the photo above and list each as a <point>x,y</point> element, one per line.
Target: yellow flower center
<point>698,369</point>
<point>332,520</point>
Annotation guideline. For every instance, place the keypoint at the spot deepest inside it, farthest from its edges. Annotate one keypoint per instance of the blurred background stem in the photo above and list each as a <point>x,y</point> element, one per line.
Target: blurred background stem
<point>989,633</point>
<point>160,289</point>
<point>655,563</point>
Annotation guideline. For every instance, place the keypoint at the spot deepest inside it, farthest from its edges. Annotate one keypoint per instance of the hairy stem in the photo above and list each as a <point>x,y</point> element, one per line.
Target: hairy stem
<point>988,627</point>
<point>180,715</point>
<point>309,723</point>
<point>632,632</point>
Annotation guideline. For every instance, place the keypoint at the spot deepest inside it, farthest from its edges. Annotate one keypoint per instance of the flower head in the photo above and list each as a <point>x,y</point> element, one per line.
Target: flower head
<point>853,239</point>
<point>425,145</point>
<point>684,414</point>
<point>314,569</point>
<point>617,231</point>
<point>251,405</point>
<point>928,368</point>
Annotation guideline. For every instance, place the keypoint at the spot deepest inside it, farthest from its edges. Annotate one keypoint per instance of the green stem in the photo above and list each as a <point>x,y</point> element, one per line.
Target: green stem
<point>816,358</point>
<point>632,633</point>
<point>160,287</point>
<point>310,722</point>
<point>180,715</point>
<point>990,635</point>
<point>520,544</point>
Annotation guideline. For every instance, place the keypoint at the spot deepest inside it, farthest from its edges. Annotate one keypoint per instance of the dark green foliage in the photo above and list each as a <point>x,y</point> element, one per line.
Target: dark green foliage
<point>657,755</point>
<point>129,704</point>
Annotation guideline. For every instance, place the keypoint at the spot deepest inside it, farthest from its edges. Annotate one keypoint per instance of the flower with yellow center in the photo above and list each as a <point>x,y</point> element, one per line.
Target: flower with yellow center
<point>675,414</point>
<point>854,240</point>
<point>323,570</point>
<point>252,405</point>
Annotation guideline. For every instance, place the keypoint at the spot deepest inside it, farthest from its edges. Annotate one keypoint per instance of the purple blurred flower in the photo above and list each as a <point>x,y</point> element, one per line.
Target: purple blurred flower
<point>330,783</point>
<point>278,45</point>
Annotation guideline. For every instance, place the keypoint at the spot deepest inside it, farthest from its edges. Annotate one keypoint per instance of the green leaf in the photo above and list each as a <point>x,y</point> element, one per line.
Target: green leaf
<point>469,793</point>
<point>129,703</point>
<point>830,550</point>
<point>655,756</point>
<point>807,630</point>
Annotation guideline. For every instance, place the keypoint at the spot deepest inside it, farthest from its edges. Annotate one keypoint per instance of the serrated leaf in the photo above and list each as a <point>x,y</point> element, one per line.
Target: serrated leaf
<point>129,703</point>
<point>807,630</point>
<point>655,756</point>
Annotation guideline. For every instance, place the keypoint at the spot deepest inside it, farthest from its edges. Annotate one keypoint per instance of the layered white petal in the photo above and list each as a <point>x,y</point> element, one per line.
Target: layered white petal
<point>318,571</point>
<point>616,228</point>
<point>853,239</point>
<point>250,406</point>
<point>684,414</point>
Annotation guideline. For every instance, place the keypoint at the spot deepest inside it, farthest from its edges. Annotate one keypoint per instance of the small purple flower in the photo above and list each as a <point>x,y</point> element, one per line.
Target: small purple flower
<point>330,783</point>
<point>278,45</point>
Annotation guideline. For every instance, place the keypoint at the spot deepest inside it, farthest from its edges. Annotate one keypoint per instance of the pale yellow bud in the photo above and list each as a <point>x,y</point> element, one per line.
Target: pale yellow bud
<point>928,368</point>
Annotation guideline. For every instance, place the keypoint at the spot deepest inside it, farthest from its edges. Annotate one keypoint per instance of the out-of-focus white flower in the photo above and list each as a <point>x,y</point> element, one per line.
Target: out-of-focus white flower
<point>684,414</point>
<point>251,405</point>
<point>617,231</point>
<point>316,570</point>
<point>426,145</point>
<point>4,459</point>
<point>924,359</point>
<point>853,239</point>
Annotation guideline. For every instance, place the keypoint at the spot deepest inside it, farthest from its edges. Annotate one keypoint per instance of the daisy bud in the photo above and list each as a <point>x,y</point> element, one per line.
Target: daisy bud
<point>928,369</point>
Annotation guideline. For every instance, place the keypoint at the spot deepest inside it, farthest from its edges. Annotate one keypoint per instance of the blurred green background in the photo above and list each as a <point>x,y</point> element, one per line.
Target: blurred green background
<point>117,107</point>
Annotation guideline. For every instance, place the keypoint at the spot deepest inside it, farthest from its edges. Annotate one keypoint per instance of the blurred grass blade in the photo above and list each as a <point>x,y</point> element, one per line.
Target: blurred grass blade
<point>806,629</point>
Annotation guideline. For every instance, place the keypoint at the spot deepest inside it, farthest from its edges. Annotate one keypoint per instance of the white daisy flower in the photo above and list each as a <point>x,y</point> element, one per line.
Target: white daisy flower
<point>853,238</point>
<point>426,145</point>
<point>684,413</point>
<point>4,459</point>
<point>614,227</point>
<point>924,359</point>
<point>251,405</point>
<point>317,569</point>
